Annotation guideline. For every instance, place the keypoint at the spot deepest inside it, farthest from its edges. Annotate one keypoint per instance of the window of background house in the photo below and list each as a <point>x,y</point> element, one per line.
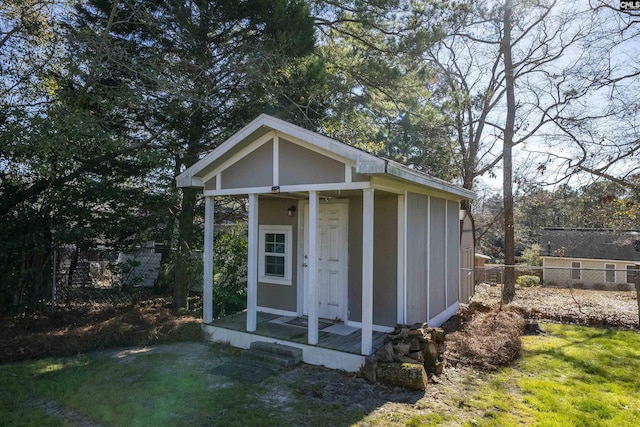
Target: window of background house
<point>632,270</point>
<point>610,273</point>
<point>575,270</point>
<point>274,260</point>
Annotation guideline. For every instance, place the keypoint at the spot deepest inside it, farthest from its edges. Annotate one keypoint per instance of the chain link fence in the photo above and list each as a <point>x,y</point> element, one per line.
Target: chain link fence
<point>612,277</point>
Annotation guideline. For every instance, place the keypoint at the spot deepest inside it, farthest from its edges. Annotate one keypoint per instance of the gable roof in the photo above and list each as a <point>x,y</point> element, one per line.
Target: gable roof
<point>365,163</point>
<point>590,243</point>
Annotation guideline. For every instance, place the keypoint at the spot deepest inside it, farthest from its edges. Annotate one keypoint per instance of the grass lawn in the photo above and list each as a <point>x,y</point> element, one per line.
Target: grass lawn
<point>573,375</point>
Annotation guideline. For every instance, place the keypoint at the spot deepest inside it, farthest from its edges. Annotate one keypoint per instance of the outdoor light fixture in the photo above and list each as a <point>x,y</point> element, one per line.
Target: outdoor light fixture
<point>291,210</point>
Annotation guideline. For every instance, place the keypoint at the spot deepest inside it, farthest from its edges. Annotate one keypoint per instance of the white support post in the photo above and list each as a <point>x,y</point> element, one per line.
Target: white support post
<point>252,264</point>
<point>312,297</point>
<point>367,272</point>
<point>276,161</point>
<point>207,286</point>
<point>401,303</point>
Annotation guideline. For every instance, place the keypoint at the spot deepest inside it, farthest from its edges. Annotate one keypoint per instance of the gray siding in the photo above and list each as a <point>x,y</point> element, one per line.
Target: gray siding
<point>355,259</point>
<point>301,166</point>
<point>437,302</point>
<point>253,170</point>
<point>416,258</point>
<point>385,259</point>
<point>274,212</point>
<point>453,252</point>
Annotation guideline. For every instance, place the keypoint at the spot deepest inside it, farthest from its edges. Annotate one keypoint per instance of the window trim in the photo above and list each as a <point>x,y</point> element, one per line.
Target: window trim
<point>577,270</point>
<point>287,230</point>
<point>610,269</point>
<point>631,269</point>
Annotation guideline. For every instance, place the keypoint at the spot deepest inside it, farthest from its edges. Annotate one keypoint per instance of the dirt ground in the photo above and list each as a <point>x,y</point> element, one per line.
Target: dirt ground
<point>617,309</point>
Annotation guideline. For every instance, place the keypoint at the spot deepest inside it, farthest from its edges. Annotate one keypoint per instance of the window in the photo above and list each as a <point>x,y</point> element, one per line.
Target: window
<point>575,270</point>
<point>610,273</point>
<point>632,270</point>
<point>274,260</point>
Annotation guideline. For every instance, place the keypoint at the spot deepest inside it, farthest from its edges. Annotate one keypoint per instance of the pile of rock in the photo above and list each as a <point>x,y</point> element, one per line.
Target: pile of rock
<point>409,353</point>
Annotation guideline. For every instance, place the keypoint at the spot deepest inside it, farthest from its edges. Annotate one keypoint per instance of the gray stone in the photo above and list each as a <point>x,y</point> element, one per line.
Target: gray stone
<point>370,368</point>
<point>408,375</point>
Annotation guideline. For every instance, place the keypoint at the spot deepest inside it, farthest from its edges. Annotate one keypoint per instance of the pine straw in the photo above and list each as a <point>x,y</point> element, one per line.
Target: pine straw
<point>489,337</point>
<point>82,330</point>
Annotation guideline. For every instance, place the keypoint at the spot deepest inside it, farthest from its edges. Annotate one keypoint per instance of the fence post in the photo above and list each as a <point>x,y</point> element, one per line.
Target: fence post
<point>637,280</point>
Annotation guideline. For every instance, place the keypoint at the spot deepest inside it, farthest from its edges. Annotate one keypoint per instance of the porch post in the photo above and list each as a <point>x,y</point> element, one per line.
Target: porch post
<point>401,289</point>
<point>207,286</point>
<point>367,271</point>
<point>252,264</point>
<point>312,297</point>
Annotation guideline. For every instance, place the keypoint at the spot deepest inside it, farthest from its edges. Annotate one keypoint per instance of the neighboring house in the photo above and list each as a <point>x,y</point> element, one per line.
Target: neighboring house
<point>590,257</point>
<point>467,251</point>
<point>337,236</point>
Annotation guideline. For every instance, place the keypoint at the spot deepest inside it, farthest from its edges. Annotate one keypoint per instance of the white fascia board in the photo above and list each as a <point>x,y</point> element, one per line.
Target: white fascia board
<point>370,165</point>
<point>220,150</point>
<point>403,172</point>
<point>187,180</point>
<point>314,138</point>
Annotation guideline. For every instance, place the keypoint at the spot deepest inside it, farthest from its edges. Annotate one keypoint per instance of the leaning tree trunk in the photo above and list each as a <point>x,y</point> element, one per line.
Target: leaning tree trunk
<point>509,287</point>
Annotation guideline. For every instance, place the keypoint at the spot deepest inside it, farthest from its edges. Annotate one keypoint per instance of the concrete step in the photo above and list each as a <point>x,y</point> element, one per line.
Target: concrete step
<point>276,354</point>
<point>281,349</point>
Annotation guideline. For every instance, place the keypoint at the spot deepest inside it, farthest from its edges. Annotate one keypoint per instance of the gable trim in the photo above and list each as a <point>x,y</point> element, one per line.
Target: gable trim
<point>311,147</point>
<point>302,188</point>
<point>240,155</point>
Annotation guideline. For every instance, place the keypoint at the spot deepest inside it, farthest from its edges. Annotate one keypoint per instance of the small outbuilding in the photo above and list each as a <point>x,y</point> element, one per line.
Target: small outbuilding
<point>342,243</point>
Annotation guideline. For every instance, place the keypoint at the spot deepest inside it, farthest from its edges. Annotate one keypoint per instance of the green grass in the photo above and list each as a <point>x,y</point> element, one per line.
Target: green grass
<point>573,376</point>
<point>152,390</point>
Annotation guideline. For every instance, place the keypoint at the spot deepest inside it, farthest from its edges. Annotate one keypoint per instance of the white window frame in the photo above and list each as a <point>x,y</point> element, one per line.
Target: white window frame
<point>610,269</point>
<point>263,230</point>
<point>576,271</point>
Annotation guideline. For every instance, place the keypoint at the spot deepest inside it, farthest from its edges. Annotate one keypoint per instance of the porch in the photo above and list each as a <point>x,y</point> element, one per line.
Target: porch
<point>338,347</point>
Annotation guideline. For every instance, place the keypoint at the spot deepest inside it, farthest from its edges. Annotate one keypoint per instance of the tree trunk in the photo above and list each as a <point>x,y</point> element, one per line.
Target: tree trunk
<point>509,287</point>
<point>185,243</point>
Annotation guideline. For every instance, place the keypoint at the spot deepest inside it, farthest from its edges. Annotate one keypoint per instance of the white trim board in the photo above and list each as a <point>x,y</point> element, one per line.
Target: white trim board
<point>361,185</point>
<point>443,316</point>
<point>277,311</point>
<point>377,328</point>
<point>312,355</point>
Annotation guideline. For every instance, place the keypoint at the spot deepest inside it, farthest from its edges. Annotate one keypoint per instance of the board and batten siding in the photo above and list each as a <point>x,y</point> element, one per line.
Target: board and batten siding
<point>385,259</point>
<point>437,256</point>
<point>453,252</point>
<point>433,256</point>
<point>416,257</point>
<point>280,297</point>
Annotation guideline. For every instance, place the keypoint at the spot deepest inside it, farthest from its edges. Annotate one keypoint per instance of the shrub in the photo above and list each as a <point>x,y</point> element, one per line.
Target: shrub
<point>528,281</point>
<point>624,287</point>
<point>599,286</point>
<point>490,339</point>
<point>578,285</point>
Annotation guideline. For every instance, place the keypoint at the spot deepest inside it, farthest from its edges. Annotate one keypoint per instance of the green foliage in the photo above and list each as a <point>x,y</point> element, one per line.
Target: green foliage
<point>528,281</point>
<point>531,256</point>
<point>230,271</point>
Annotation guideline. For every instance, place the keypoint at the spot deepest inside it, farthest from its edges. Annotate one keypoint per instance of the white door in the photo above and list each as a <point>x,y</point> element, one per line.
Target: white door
<point>333,221</point>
